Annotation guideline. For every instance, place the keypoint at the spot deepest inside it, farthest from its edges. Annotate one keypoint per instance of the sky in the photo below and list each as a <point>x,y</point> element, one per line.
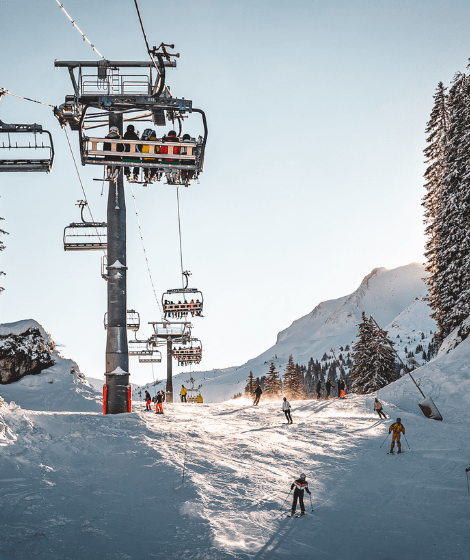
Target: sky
<point>313,170</point>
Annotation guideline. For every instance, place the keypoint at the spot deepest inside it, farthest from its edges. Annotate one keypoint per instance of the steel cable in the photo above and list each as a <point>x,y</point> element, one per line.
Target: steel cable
<point>145,253</point>
<point>61,6</point>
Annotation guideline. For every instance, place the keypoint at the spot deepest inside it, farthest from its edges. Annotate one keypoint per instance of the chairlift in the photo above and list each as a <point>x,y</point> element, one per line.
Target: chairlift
<point>156,357</point>
<point>191,354</point>
<point>132,321</point>
<point>183,307</point>
<point>85,236</point>
<point>139,348</point>
<point>22,151</point>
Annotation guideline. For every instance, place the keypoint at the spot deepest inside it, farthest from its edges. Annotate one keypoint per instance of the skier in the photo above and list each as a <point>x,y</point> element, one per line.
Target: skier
<point>300,485</point>
<point>319,389</point>
<point>258,393</point>
<point>183,394</point>
<point>328,389</point>
<point>378,408</point>
<point>159,408</point>
<point>286,410</point>
<point>397,429</point>
<point>339,387</point>
<point>148,400</point>
<point>342,387</point>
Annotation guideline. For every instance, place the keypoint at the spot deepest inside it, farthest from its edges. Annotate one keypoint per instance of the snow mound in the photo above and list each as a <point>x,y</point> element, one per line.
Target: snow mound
<point>61,387</point>
<point>446,379</point>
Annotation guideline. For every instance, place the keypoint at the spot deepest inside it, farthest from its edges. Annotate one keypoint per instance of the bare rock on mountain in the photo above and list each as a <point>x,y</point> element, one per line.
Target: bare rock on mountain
<point>26,353</point>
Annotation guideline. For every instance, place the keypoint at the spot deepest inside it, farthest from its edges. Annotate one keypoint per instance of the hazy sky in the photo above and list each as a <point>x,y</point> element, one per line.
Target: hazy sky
<point>313,172</point>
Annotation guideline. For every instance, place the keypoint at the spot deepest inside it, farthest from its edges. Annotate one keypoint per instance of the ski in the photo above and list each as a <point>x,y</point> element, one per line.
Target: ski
<point>301,515</point>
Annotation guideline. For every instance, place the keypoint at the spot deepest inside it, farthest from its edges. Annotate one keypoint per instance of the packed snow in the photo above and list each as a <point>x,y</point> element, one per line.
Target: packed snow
<point>75,484</point>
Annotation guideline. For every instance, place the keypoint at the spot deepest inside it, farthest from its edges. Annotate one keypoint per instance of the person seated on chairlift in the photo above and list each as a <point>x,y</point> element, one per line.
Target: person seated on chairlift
<point>186,173</point>
<point>111,172</point>
<point>149,172</point>
<point>171,137</point>
<point>130,134</point>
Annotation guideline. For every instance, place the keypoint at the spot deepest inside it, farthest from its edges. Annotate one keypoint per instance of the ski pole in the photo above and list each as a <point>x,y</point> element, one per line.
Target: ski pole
<point>184,462</point>
<point>282,506</point>
<point>406,441</point>
<point>468,486</point>
<point>311,504</point>
<point>386,439</point>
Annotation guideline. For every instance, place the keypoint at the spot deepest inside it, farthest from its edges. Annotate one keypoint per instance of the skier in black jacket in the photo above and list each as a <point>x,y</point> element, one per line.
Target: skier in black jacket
<point>328,389</point>
<point>300,485</point>
<point>319,390</point>
<point>258,393</point>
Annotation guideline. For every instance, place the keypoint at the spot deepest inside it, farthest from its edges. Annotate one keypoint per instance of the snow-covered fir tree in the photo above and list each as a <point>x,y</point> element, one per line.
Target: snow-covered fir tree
<point>273,384</point>
<point>447,206</point>
<point>373,359</point>
<point>251,386</point>
<point>292,381</point>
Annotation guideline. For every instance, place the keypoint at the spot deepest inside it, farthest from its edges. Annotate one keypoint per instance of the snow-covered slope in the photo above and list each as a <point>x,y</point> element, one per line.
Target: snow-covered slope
<point>393,297</point>
<point>59,388</point>
<point>83,485</point>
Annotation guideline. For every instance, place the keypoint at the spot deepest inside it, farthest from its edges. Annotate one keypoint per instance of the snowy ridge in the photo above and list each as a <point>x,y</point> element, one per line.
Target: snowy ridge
<point>394,297</point>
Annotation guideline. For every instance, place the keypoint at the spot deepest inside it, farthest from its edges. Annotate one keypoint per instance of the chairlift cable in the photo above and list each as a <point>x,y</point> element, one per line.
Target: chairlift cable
<point>145,253</point>
<point>179,229</point>
<point>81,184</point>
<point>3,90</point>
<point>145,39</point>
<point>61,6</point>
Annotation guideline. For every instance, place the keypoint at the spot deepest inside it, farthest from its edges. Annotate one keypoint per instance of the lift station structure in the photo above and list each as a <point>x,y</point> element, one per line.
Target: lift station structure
<point>107,94</point>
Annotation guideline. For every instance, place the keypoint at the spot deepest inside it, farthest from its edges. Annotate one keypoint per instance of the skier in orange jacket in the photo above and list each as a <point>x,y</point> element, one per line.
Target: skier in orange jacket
<point>397,428</point>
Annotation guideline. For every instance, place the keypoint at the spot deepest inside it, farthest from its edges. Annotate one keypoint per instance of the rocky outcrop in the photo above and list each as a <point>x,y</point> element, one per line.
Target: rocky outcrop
<point>23,354</point>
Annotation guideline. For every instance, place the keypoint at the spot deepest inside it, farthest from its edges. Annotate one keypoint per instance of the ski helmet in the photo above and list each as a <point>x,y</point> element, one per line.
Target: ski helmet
<point>285,398</point>
<point>114,129</point>
<point>130,128</point>
<point>399,420</point>
<point>302,475</point>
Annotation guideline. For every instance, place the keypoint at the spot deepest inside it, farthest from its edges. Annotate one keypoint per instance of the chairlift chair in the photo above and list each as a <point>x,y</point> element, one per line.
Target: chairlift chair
<point>21,151</point>
<point>85,236</point>
<point>156,357</point>
<point>132,321</point>
<point>183,307</point>
<point>189,355</point>
<point>139,348</point>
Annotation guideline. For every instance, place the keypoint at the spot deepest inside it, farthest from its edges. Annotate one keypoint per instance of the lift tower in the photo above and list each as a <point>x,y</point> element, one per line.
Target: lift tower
<point>106,94</point>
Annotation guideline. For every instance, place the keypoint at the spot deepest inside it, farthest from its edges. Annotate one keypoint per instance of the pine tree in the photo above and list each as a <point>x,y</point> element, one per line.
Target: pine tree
<point>250,387</point>
<point>273,384</point>
<point>447,207</point>
<point>373,359</point>
<point>292,381</point>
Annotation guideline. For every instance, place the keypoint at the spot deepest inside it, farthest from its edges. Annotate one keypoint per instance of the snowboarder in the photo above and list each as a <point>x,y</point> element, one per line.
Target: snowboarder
<point>258,393</point>
<point>378,408</point>
<point>300,485</point>
<point>328,389</point>
<point>159,408</point>
<point>148,400</point>
<point>319,390</point>
<point>397,429</point>
<point>183,394</point>
<point>286,410</point>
